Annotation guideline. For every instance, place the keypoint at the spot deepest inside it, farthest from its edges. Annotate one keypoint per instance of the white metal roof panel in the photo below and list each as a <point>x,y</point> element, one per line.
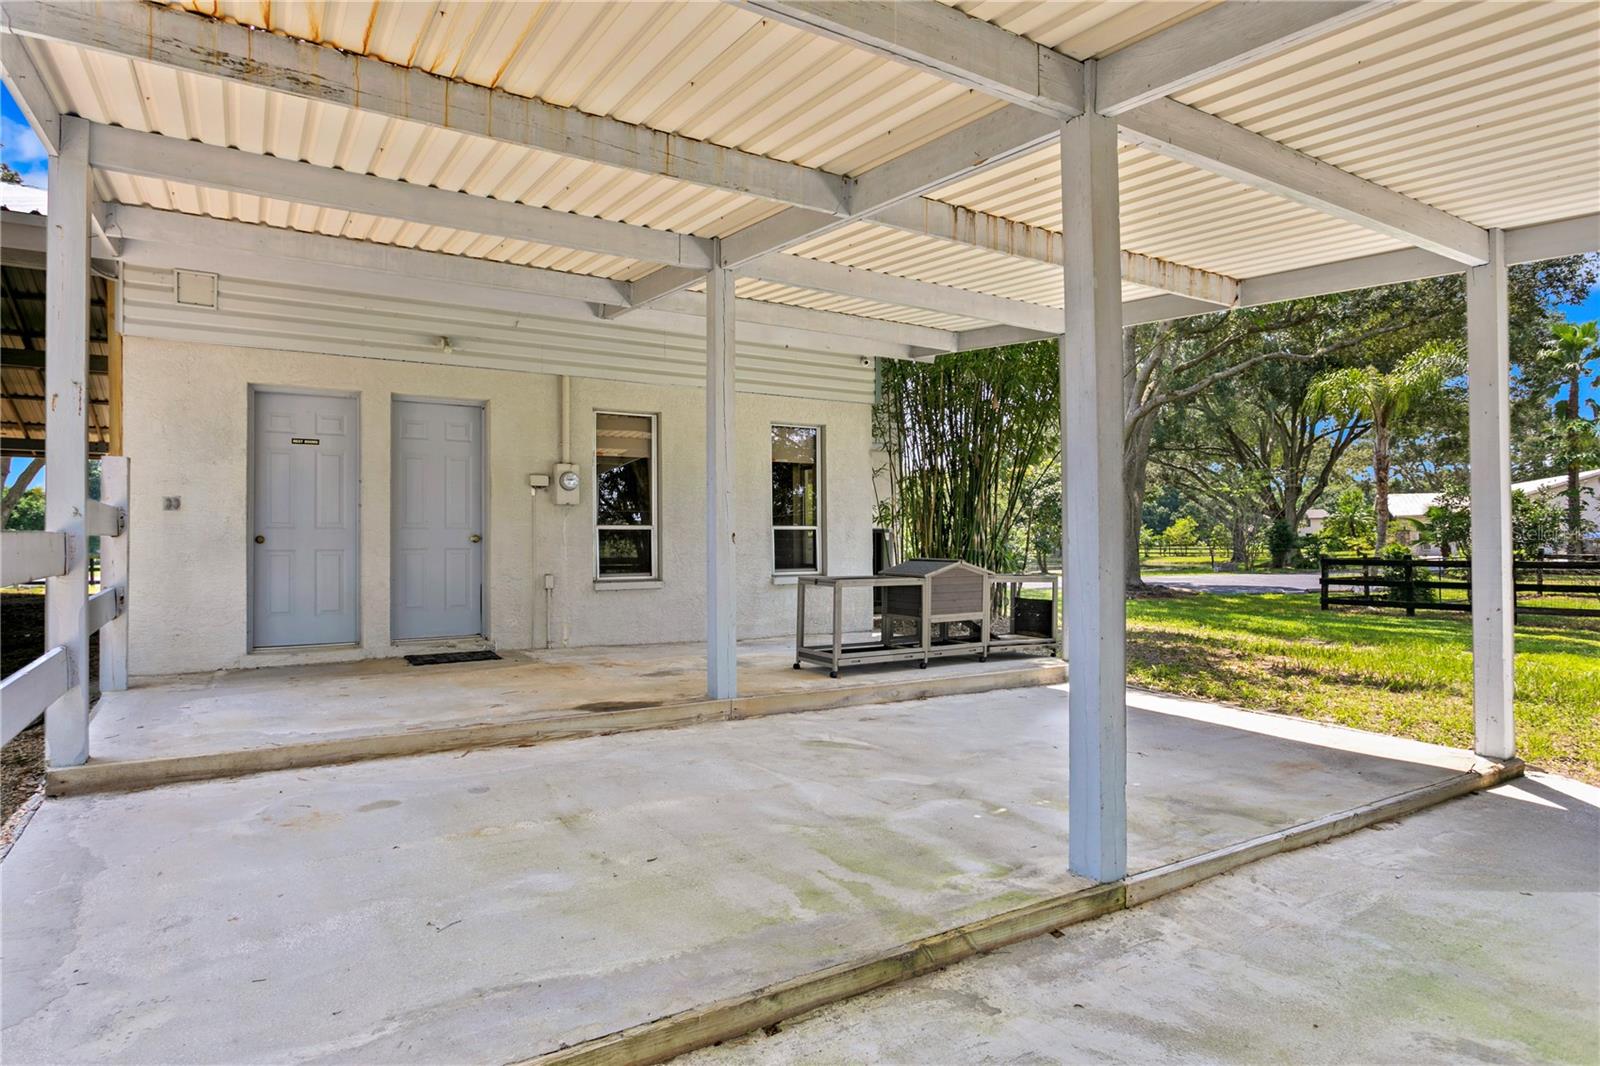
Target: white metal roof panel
<point>1486,110</point>
<point>1490,111</point>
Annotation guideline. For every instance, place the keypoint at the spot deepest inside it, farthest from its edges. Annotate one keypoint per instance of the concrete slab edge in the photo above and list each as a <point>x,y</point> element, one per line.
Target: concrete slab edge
<point>677,1034</point>
<point>135,774</point>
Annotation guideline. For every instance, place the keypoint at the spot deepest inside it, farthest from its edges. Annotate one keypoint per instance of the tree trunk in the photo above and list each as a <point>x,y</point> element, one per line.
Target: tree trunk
<point>16,489</point>
<point>1291,505</point>
<point>1574,498</point>
<point>1380,477</point>
<point>1135,464</point>
<point>1240,545</point>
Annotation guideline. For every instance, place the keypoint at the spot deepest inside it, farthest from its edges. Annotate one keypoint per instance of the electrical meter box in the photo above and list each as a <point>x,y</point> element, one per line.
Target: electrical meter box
<point>566,483</point>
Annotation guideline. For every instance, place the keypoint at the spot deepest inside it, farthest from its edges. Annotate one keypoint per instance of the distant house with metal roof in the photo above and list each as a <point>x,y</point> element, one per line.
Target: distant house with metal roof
<point>1408,511</point>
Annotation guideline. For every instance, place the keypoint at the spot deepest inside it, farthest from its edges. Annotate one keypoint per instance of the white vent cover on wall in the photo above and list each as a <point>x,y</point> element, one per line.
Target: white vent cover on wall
<point>194,288</point>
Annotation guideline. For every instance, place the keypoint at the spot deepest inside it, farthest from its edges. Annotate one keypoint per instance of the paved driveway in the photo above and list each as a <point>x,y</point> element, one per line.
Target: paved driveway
<point>1232,583</point>
<point>487,905</point>
<point>1468,933</point>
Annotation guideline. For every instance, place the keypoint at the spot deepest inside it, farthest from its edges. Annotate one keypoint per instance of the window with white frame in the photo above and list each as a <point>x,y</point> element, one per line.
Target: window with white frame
<point>796,499</point>
<point>625,496</point>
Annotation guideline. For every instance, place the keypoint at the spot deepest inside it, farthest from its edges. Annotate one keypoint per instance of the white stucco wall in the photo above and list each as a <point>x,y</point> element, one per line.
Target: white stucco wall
<point>186,407</point>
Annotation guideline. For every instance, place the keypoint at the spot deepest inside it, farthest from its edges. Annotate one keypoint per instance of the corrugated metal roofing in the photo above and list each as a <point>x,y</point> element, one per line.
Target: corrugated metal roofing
<point>23,198</point>
<point>708,71</point>
<point>22,395</point>
<point>1485,110</point>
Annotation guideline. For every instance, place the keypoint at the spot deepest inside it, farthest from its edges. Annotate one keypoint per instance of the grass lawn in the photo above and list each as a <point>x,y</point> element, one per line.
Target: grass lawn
<point>1375,670</point>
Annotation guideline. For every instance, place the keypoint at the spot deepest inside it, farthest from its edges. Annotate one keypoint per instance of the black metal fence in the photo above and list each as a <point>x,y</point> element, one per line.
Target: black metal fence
<point>1550,585</point>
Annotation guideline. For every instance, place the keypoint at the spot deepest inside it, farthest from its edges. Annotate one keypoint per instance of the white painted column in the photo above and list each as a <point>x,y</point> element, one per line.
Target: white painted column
<point>721,649</point>
<point>114,574</point>
<point>1489,450</point>
<point>66,387</point>
<point>1091,476</point>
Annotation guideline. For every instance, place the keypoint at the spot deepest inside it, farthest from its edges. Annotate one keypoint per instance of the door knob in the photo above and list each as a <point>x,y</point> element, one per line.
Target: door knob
<point>475,538</point>
<point>260,539</point>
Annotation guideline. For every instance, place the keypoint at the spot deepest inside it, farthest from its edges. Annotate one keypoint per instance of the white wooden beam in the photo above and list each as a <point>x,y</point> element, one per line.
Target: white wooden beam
<point>774,323</point>
<point>151,33</point>
<point>67,438</point>
<point>1092,503</point>
<point>104,520</point>
<point>722,654</point>
<point>1489,456</point>
<point>103,608</point>
<point>971,51</point>
<point>1164,308</point>
<point>819,276</point>
<point>1134,312</point>
<point>1208,142</point>
<point>976,340</point>
<point>114,553</point>
<point>1216,42</point>
<point>986,142</point>
<point>1363,272</point>
<point>945,42</point>
<point>25,694</point>
<point>29,92</point>
<point>151,155</point>
<point>33,98</point>
<point>980,144</point>
<point>197,242</point>
<point>960,225</point>
<point>31,555</point>
<point>1527,244</point>
<point>1554,240</point>
<point>171,240</point>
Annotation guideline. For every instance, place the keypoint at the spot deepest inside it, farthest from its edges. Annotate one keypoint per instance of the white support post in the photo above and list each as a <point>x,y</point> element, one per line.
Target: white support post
<point>1092,505</point>
<point>114,575</point>
<point>66,722</point>
<point>1489,444</point>
<point>721,649</point>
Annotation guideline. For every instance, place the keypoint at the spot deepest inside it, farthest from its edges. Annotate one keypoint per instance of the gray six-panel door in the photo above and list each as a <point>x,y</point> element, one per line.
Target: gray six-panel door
<point>305,518</point>
<point>437,573</point>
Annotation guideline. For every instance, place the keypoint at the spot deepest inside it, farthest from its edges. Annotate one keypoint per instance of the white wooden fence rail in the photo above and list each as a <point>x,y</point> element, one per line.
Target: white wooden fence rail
<point>25,694</point>
<point>29,556</point>
<point>32,556</point>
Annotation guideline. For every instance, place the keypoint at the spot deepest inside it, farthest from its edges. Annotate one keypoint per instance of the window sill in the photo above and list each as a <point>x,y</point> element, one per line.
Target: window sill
<point>793,579</point>
<point>627,584</point>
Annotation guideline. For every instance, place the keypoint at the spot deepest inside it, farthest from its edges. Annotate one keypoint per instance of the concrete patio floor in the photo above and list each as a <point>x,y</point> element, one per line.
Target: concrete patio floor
<point>1467,933</point>
<point>487,905</point>
<point>194,726</point>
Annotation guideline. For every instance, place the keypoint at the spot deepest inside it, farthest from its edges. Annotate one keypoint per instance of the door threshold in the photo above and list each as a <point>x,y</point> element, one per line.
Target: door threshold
<point>282,649</point>
<point>412,642</point>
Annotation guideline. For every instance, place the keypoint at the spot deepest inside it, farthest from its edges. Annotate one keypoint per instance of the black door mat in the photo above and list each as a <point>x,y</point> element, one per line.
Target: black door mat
<point>440,658</point>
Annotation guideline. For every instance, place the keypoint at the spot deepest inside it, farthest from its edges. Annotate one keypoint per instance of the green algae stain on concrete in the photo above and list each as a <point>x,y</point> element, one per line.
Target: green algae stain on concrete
<point>1480,1007</point>
<point>868,848</point>
<point>816,899</point>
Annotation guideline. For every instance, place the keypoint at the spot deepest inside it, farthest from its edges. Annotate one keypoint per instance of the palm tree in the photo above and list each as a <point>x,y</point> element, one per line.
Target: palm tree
<point>1383,399</point>
<point>1575,346</point>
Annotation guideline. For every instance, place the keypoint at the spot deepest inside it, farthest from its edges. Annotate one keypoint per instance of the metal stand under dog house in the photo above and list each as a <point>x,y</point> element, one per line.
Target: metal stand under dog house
<point>933,608</point>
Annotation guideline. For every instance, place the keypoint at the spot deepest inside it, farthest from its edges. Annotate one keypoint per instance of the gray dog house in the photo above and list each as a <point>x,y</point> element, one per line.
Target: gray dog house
<point>933,608</point>
<point>955,594</point>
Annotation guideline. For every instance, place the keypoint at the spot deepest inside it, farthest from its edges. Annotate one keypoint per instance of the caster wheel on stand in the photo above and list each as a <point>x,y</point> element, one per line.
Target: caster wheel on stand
<point>833,673</point>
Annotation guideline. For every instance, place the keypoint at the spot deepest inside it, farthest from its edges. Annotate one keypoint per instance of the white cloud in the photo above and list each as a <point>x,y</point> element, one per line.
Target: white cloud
<point>21,148</point>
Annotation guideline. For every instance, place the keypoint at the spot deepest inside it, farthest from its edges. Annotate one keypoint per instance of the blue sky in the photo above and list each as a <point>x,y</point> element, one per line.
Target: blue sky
<point>18,145</point>
<point>1588,311</point>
